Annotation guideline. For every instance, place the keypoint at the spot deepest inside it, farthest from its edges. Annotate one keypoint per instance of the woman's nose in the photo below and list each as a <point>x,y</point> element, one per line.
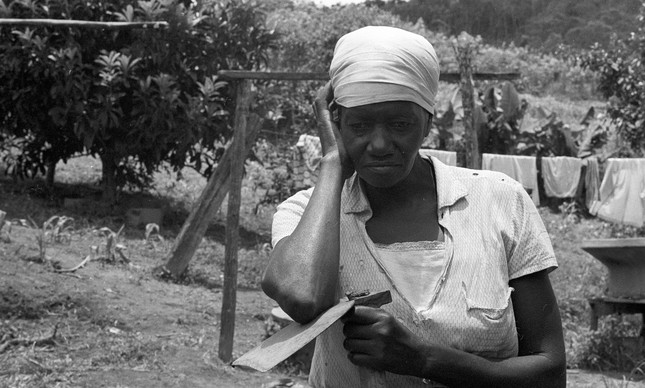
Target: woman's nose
<point>380,140</point>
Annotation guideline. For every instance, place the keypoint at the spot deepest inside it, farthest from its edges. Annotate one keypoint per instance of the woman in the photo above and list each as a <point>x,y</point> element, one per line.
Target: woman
<point>464,252</point>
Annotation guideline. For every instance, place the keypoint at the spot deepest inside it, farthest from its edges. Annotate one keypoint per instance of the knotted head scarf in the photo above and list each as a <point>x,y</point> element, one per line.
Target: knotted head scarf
<point>378,64</point>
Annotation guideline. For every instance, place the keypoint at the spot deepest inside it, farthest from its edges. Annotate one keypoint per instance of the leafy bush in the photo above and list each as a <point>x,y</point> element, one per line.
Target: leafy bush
<point>621,71</point>
<point>33,67</point>
<point>136,98</point>
<point>616,346</point>
<point>541,73</point>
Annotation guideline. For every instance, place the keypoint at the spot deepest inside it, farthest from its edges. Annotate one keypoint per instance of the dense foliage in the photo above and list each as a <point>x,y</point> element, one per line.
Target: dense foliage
<point>138,98</point>
<point>307,35</point>
<point>135,97</point>
<point>539,23</point>
<point>621,68</point>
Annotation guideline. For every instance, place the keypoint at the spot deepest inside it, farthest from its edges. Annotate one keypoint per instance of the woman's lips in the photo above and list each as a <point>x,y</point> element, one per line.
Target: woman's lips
<point>381,164</point>
<point>381,167</point>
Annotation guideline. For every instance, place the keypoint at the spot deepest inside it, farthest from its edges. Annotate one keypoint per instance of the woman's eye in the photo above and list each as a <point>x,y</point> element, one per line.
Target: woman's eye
<point>359,126</point>
<point>400,124</point>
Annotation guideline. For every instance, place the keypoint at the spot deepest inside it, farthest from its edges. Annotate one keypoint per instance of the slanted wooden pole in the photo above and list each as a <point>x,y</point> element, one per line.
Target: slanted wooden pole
<point>232,241</point>
<point>203,212</point>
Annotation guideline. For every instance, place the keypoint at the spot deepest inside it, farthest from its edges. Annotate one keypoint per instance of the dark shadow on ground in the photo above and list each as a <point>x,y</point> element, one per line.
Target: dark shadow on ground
<point>83,202</point>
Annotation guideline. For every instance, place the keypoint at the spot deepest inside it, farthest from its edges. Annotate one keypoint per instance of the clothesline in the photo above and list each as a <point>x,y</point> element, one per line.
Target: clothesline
<point>618,196</point>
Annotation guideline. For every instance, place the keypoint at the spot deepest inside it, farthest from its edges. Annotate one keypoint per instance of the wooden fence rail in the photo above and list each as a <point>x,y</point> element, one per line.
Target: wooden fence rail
<point>83,24</point>
<point>283,76</point>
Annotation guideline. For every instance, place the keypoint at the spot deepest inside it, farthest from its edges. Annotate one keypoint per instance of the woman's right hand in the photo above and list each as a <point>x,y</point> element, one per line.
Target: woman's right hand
<point>330,138</point>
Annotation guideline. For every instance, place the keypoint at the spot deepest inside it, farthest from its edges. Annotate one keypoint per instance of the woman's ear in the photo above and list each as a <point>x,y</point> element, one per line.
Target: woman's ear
<point>426,131</point>
<point>335,114</point>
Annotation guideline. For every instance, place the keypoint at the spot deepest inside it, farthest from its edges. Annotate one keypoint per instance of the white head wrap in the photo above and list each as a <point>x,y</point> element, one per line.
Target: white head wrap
<point>378,64</point>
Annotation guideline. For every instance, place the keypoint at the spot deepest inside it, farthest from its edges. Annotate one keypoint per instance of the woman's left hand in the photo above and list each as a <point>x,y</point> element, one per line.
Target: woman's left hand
<point>376,339</point>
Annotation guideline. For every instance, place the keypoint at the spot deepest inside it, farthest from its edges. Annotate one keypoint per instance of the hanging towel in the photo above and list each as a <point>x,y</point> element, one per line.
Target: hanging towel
<point>448,158</point>
<point>592,184</point>
<point>622,192</point>
<point>311,150</point>
<point>561,176</point>
<point>521,168</point>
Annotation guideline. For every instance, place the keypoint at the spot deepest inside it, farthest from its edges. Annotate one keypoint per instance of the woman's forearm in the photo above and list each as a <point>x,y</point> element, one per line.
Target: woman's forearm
<point>456,368</point>
<point>302,274</point>
<point>541,361</point>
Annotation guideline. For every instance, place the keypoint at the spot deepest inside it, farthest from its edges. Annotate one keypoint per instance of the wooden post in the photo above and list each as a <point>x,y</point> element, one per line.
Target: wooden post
<point>232,242</point>
<point>464,51</point>
<point>3,215</point>
<point>473,158</point>
<point>207,205</point>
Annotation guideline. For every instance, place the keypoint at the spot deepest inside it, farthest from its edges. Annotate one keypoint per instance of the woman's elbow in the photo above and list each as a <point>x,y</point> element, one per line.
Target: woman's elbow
<point>301,313</point>
<point>269,286</point>
<point>301,308</point>
<point>559,373</point>
<point>555,374</point>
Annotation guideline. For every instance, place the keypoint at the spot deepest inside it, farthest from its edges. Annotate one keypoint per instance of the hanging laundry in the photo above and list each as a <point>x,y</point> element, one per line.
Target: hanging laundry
<point>561,176</point>
<point>446,157</point>
<point>592,184</point>
<point>622,192</point>
<point>521,168</point>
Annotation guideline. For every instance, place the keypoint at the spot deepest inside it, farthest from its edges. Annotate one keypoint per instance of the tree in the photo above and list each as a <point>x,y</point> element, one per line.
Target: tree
<point>621,69</point>
<point>521,22</point>
<point>39,85</point>
<point>136,98</point>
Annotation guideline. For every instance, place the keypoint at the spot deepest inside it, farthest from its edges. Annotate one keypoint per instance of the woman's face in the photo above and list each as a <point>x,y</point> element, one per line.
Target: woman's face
<point>383,139</point>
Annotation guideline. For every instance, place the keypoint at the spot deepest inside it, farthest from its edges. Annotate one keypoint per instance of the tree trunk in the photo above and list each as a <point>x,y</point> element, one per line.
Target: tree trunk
<point>108,177</point>
<point>51,171</point>
<point>465,56</point>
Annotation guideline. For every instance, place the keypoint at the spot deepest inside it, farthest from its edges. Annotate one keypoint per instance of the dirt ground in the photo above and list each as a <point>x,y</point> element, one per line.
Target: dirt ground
<point>117,325</point>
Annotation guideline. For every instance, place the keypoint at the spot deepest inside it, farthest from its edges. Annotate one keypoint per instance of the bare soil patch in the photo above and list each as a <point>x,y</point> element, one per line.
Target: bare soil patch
<point>116,325</point>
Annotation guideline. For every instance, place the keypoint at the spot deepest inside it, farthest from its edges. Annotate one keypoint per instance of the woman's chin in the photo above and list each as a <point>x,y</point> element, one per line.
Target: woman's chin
<point>381,180</point>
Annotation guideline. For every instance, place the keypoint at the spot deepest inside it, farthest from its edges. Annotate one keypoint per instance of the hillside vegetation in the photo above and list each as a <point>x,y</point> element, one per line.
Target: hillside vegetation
<point>539,23</point>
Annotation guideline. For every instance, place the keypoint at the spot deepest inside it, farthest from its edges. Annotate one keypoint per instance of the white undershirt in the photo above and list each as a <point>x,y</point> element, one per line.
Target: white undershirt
<point>415,269</point>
